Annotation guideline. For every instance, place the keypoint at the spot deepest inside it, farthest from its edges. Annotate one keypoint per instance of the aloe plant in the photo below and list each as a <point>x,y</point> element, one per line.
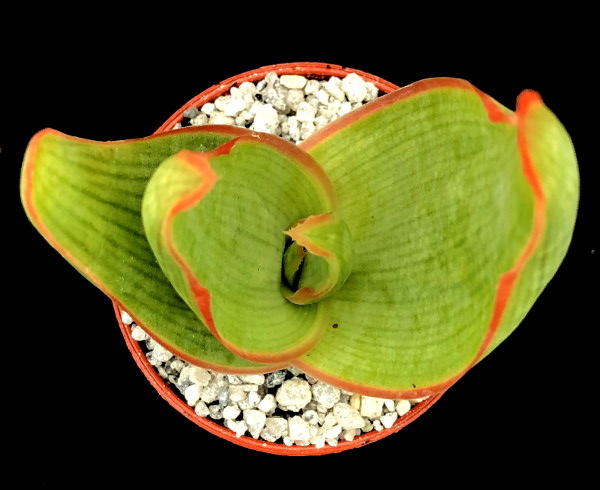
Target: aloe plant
<point>387,254</point>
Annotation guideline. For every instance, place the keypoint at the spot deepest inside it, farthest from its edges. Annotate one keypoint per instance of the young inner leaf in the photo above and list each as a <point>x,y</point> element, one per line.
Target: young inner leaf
<point>293,261</point>
<point>329,253</point>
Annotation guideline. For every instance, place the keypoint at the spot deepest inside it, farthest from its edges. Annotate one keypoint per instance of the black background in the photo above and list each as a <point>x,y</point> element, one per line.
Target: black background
<point>77,403</point>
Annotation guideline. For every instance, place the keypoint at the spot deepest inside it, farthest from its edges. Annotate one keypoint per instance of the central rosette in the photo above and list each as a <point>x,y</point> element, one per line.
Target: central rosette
<point>317,258</point>
<point>249,237</point>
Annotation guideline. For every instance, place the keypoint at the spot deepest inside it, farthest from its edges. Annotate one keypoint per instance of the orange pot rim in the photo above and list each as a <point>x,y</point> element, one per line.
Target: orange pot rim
<point>311,70</point>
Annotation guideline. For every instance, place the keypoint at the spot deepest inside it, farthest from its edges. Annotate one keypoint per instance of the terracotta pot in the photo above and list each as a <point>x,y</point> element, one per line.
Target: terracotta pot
<point>309,70</point>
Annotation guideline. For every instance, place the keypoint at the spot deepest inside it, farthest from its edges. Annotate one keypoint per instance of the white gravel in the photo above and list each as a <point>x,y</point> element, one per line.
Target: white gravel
<point>285,406</point>
<point>291,106</point>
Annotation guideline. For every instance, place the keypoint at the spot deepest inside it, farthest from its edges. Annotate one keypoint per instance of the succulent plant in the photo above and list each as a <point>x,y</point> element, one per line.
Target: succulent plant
<point>387,254</point>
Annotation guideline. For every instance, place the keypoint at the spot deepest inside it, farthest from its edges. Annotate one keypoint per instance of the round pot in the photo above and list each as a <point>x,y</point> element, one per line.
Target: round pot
<point>309,70</point>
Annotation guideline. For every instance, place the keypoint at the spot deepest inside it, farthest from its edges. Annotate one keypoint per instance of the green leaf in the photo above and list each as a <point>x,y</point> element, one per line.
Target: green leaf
<point>433,183</point>
<point>85,198</point>
<point>216,223</point>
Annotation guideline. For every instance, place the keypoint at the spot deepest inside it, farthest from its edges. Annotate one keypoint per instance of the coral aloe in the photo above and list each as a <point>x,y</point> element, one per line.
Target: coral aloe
<point>387,254</point>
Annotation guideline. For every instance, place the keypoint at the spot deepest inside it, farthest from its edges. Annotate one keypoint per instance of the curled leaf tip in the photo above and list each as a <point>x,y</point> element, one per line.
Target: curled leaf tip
<point>327,255</point>
<point>527,98</point>
<point>300,233</point>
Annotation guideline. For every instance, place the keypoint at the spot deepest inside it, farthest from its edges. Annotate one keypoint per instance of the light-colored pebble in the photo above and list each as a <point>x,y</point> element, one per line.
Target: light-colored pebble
<point>253,399</point>
<point>231,412</point>
<point>210,392</point>
<point>294,394</point>
<point>306,112</point>
<point>176,364</point>
<point>276,97</point>
<point>231,106</point>
<point>307,129</point>
<point>293,128</point>
<point>311,417</point>
<point>354,87</point>
<point>354,400</point>
<point>192,394</point>
<point>253,379</point>
<point>275,428</point>
<point>268,404</point>
<point>347,416</point>
<point>199,376</point>
<point>255,420</point>
<point>294,98</point>
<point>334,87</point>
<point>266,120</point>
<point>329,421</point>
<point>162,371</point>
<point>372,91</point>
<point>318,441</point>
<point>271,78</point>
<point>293,81</point>
<point>216,412</point>
<point>217,117</point>
<point>321,121</point>
<point>322,97</point>
<point>371,407</point>
<point>402,407</point>
<point>298,428</point>
<point>243,118</point>
<point>311,87</point>
<point>237,393</point>
<point>390,405</point>
<point>199,120</point>
<point>348,435</point>
<point>333,432</point>
<point>138,334</point>
<point>126,319</point>
<point>201,409</point>
<point>345,108</point>
<point>238,426</point>
<point>247,88</point>
<point>208,108</point>
<point>161,354</point>
<point>223,397</point>
<point>325,395</point>
<point>388,419</point>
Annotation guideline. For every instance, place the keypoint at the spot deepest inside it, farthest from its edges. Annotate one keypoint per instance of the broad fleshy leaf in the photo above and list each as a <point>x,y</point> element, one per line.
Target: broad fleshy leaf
<point>216,223</point>
<point>85,198</point>
<point>460,213</point>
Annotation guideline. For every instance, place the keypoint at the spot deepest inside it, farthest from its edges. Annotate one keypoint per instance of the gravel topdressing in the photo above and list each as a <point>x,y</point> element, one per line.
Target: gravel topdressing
<point>286,406</point>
